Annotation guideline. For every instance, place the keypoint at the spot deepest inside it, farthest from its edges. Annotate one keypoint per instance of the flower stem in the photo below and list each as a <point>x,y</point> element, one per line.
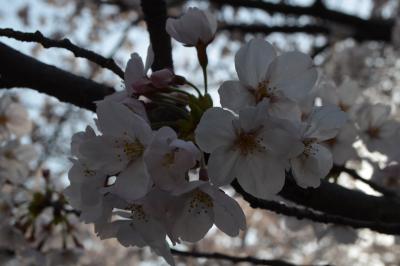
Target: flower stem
<point>194,87</point>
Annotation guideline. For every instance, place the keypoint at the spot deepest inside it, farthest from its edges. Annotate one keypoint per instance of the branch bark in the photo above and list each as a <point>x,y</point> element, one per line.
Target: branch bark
<point>155,15</point>
<point>362,29</point>
<point>19,70</point>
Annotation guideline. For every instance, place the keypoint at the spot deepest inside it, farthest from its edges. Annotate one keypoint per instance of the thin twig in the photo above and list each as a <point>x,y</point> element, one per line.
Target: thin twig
<point>38,37</point>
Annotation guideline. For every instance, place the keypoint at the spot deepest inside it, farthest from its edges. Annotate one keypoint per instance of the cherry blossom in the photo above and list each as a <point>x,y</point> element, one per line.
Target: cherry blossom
<point>195,27</point>
<point>119,151</point>
<point>13,118</point>
<point>168,159</point>
<point>85,193</point>
<point>281,80</point>
<point>341,146</point>
<point>138,227</point>
<point>376,129</point>
<point>253,148</point>
<point>344,96</point>
<point>199,206</point>
<point>316,161</point>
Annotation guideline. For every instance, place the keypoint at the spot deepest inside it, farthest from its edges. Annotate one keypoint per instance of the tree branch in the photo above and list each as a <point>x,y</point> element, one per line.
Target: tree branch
<point>232,259</point>
<point>155,15</point>
<point>254,28</point>
<point>66,44</point>
<point>19,70</point>
<point>301,213</point>
<point>353,173</point>
<point>363,29</point>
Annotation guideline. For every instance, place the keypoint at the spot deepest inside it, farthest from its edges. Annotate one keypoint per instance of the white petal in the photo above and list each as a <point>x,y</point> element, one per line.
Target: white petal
<point>101,153</point>
<point>325,122</point>
<point>117,120</point>
<point>308,170</point>
<point>149,59</point>
<point>127,235</point>
<point>261,175</point>
<point>293,73</point>
<point>215,129</point>
<point>228,215</point>
<point>194,221</point>
<point>234,96</point>
<point>134,71</point>
<point>252,118</point>
<point>281,139</point>
<point>282,107</point>
<point>193,26</point>
<point>133,182</point>
<point>252,61</point>
<point>221,165</point>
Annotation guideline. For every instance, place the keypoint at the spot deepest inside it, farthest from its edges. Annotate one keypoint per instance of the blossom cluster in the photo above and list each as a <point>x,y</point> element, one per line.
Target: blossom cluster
<point>143,183</point>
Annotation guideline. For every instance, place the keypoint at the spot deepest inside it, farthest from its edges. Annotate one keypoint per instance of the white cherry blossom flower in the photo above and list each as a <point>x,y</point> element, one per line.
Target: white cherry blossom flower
<point>119,151</point>
<point>344,96</point>
<point>14,119</point>
<point>198,206</point>
<point>341,146</point>
<point>376,129</point>
<point>168,159</point>
<point>253,148</point>
<point>282,80</point>
<point>85,193</point>
<point>316,161</point>
<point>140,228</point>
<point>193,28</point>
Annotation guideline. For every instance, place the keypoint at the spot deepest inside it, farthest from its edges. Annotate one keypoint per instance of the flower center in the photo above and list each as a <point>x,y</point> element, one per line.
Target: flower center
<point>200,202</point>
<point>263,91</point>
<point>308,147</point>
<point>132,149</point>
<point>247,142</point>
<point>3,119</point>
<point>168,159</point>
<point>373,132</point>
<point>138,212</point>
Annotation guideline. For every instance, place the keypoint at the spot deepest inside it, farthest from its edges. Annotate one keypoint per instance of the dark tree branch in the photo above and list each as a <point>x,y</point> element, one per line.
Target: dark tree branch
<point>19,70</point>
<point>362,29</point>
<point>353,173</point>
<point>155,15</point>
<point>66,44</point>
<point>301,213</point>
<point>334,199</point>
<point>254,28</point>
<point>232,259</point>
